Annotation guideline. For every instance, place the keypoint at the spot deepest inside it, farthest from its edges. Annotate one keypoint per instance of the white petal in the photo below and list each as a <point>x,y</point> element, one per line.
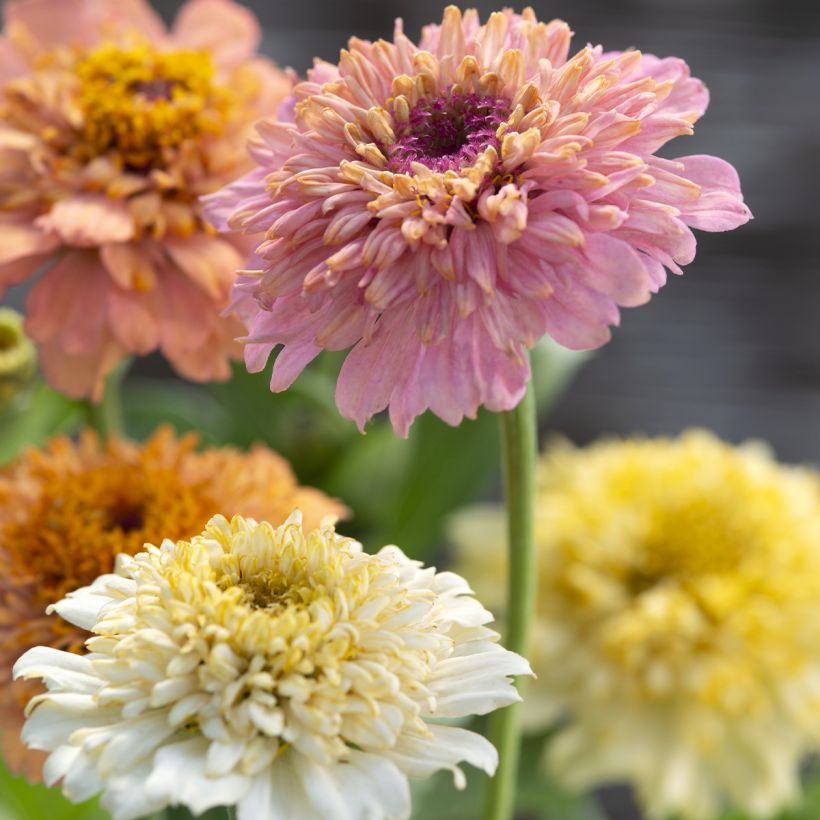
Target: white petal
<point>419,756</point>
<point>364,787</point>
<point>55,717</point>
<point>222,757</point>
<point>477,683</point>
<point>126,797</point>
<point>58,669</point>
<point>81,781</point>
<point>59,762</point>
<point>178,776</point>
<point>276,794</point>
<point>134,741</point>
<point>82,608</point>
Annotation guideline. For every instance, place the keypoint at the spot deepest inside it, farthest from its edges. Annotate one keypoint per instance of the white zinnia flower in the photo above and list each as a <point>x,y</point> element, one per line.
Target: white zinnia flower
<point>289,674</point>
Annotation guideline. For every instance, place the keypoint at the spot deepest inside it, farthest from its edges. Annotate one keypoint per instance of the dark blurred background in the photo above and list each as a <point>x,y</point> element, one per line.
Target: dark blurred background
<point>734,344</point>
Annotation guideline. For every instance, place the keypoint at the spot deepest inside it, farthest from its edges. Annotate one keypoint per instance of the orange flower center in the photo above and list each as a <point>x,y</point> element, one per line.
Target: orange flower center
<point>145,104</point>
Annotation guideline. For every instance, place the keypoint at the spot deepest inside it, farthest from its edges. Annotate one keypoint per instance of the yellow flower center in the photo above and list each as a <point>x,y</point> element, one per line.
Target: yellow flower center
<point>143,103</point>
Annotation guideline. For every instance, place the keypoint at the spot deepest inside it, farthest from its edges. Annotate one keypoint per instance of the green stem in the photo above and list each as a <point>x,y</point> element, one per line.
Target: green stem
<point>106,417</point>
<point>520,452</point>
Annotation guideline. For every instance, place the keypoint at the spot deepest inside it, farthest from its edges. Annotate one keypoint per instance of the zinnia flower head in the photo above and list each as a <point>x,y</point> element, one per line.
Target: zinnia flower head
<point>68,510</point>
<point>288,673</point>
<point>439,208</point>
<point>18,356</point>
<point>677,622</point>
<point>111,128</point>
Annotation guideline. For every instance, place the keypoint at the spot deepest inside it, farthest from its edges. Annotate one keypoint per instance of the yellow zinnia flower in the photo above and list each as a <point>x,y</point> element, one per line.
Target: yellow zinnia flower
<point>678,615</point>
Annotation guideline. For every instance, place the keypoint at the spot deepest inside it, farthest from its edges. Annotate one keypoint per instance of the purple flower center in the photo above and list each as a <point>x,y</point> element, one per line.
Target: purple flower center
<point>447,132</point>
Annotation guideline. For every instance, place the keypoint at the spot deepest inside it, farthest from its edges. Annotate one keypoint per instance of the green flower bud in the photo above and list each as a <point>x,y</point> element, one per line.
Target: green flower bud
<point>18,357</point>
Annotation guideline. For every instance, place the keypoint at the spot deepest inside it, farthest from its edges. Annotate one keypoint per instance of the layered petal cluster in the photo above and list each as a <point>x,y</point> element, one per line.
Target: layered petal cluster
<point>677,620</point>
<point>440,207</point>
<point>288,673</point>
<point>68,510</point>
<point>111,128</point>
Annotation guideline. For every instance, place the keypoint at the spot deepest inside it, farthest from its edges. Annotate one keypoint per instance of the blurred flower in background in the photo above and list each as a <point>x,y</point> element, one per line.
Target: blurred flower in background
<point>439,208</point>
<point>67,511</point>
<point>18,357</point>
<point>111,128</point>
<point>283,671</point>
<point>678,615</point>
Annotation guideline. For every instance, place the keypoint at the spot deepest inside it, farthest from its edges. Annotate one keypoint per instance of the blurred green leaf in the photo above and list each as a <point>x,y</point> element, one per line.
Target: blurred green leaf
<point>147,404</point>
<point>19,800</point>
<point>40,414</point>
<point>302,424</point>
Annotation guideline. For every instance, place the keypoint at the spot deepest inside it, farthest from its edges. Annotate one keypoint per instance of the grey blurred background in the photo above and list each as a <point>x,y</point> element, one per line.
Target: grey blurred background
<point>733,345</point>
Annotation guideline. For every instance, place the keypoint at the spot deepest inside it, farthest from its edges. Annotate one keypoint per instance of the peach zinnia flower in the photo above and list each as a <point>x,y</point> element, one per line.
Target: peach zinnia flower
<point>68,510</point>
<point>440,207</point>
<point>111,129</point>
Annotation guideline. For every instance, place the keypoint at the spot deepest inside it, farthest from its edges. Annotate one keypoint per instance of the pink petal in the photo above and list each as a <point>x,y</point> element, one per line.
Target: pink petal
<point>371,371</point>
<point>229,31</point>
<point>720,206</point>
<point>615,269</point>
<point>290,362</point>
<point>689,94</point>
<point>89,220</point>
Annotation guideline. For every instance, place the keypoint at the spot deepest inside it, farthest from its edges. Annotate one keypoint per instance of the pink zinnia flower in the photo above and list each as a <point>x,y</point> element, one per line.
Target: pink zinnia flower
<point>440,207</point>
<point>111,128</point>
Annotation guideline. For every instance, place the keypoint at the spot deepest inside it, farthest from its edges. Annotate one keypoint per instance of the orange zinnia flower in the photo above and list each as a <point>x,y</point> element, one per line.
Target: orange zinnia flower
<point>68,510</point>
<point>111,128</point>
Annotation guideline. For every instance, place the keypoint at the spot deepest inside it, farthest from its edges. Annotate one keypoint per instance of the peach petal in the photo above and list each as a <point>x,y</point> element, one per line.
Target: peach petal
<point>80,375</point>
<point>88,220</point>
<point>210,262</point>
<point>81,22</point>
<point>133,319</point>
<point>130,265</point>
<point>227,30</point>
<point>55,314</point>
<point>12,62</point>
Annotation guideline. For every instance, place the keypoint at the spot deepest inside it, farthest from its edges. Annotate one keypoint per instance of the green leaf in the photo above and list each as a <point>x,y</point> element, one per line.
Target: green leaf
<point>19,800</point>
<point>38,416</point>
<point>186,407</point>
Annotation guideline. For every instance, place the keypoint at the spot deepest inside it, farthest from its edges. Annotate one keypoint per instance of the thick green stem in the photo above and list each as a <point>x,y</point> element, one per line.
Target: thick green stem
<point>106,417</point>
<point>520,452</point>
